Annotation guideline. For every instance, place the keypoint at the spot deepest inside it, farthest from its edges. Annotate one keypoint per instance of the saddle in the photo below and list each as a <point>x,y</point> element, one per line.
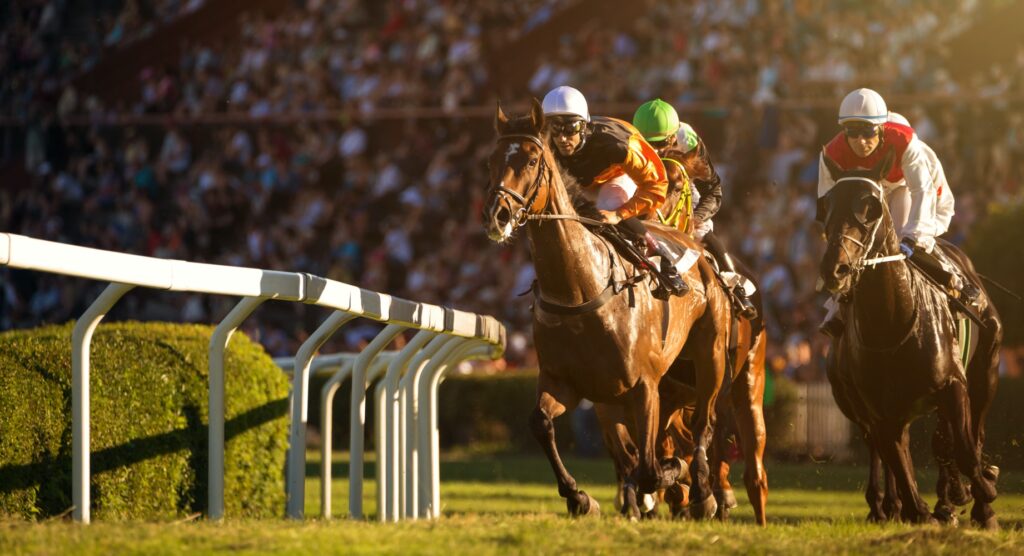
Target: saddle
<point>636,252</point>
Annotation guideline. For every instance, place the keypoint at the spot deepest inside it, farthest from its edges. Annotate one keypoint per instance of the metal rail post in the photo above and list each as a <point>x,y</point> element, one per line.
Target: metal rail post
<point>81,339</point>
<point>358,416</point>
<point>407,424</point>
<point>300,410</point>
<point>390,416</point>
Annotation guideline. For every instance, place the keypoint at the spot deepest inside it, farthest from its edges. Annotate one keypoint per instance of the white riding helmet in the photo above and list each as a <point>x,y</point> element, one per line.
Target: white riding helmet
<point>565,101</point>
<point>897,118</point>
<point>863,105</point>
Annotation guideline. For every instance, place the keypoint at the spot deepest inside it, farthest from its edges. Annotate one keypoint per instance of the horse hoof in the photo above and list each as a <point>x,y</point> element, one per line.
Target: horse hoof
<point>984,517</point>
<point>582,504</point>
<point>946,516</point>
<point>705,509</point>
<point>726,498</point>
<point>875,517</point>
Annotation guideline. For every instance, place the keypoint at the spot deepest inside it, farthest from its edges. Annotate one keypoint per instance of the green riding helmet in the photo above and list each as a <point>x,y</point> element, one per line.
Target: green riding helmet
<point>656,120</point>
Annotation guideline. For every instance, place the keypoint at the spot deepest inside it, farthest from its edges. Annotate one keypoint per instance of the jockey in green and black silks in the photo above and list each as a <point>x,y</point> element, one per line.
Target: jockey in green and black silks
<point>659,124</point>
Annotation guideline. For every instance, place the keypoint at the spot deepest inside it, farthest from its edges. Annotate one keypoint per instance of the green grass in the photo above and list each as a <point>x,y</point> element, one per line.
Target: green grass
<point>509,504</point>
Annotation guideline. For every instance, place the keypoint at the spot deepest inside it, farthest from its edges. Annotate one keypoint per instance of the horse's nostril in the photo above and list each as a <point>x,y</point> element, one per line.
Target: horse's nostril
<point>842,270</point>
<point>502,217</point>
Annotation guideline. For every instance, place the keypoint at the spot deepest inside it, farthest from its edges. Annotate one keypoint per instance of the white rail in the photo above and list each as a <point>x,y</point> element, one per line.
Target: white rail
<point>255,286</point>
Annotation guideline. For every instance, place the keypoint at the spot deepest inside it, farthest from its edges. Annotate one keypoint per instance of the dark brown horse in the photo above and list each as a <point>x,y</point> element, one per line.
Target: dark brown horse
<point>593,338</point>
<point>740,413</point>
<point>899,356</point>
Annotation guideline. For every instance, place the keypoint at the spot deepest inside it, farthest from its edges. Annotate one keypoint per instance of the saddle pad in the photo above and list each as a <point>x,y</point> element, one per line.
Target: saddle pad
<point>967,338</point>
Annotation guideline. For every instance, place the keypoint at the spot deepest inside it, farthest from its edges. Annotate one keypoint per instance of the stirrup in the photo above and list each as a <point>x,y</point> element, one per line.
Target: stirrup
<point>747,309</point>
<point>670,283</point>
<point>970,294</point>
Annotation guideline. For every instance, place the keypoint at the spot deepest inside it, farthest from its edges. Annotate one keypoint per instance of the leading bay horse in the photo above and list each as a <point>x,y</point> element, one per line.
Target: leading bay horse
<point>598,334</point>
<point>899,355</point>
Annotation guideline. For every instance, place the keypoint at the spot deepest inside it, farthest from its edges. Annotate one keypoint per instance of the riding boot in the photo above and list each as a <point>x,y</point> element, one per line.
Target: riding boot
<point>671,282</point>
<point>671,279</point>
<point>930,264</point>
<point>726,264</point>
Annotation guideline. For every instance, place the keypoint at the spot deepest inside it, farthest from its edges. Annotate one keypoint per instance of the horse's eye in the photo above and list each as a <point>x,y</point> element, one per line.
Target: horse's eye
<point>533,162</point>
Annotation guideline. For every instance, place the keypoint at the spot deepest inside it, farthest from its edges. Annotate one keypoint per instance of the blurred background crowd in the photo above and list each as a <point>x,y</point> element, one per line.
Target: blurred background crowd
<point>348,139</point>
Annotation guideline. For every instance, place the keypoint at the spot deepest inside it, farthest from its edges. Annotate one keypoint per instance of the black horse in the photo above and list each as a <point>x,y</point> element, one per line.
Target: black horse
<point>899,355</point>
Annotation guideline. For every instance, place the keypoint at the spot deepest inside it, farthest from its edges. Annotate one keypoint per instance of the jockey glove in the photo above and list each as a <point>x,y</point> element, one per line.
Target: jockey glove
<point>907,246</point>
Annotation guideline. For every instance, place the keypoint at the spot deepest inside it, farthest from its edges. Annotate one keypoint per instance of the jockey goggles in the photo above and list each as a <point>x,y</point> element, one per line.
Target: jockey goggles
<point>862,130</point>
<point>563,127</point>
<point>658,145</point>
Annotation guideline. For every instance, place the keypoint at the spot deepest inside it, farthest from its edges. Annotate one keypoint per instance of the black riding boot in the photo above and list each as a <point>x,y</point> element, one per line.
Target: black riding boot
<point>668,275</point>
<point>931,266</point>
<point>725,264</point>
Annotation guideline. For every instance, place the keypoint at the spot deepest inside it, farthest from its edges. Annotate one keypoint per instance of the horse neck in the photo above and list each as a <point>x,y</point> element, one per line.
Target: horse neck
<point>885,295</point>
<point>571,262</point>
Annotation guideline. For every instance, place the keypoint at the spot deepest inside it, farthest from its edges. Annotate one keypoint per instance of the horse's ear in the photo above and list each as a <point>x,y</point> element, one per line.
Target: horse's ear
<point>821,210</point>
<point>537,115</point>
<point>882,168</point>
<point>500,119</point>
<point>831,165</point>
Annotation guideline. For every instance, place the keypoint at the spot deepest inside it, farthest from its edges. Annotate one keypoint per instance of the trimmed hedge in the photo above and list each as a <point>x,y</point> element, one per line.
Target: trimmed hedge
<point>149,423</point>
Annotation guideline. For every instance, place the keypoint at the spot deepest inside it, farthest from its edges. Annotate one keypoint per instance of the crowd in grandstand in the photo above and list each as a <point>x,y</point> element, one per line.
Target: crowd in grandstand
<point>398,211</point>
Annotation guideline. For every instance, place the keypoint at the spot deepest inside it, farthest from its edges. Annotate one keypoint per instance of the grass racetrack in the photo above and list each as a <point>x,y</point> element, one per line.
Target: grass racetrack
<point>509,504</point>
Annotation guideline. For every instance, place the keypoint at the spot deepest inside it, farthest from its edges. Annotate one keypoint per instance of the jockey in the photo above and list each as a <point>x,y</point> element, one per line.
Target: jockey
<point>919,199</point>
<point>659,123</point>
<point>614,166</point>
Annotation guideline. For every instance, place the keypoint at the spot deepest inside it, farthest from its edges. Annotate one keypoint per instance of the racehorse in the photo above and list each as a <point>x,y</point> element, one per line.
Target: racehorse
<point>741,412</point>
<point>598,330</point>
<point>899,355</point>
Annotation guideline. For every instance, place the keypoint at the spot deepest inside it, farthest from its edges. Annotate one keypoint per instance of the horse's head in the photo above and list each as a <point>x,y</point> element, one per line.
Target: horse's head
<point>520,173</point>
<point>853,213</point>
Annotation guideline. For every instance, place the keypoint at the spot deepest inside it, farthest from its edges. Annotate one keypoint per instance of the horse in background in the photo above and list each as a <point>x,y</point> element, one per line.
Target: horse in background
<point>899,355</point>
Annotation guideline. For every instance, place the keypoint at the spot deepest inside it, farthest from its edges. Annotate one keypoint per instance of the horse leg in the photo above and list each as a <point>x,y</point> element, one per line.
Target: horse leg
<point>747,403</point>
<point>624,454</point>
<point>954,407</point>
<point>891,501</point>
<point>677,442</point>
<point>892,446</point>
<point>873,492</point>
<point>710,364</point>
<point>720,466</point>
<point>982,379</point>
<point>949,488</point>
<point>554,399</point>
<point>643,403</point>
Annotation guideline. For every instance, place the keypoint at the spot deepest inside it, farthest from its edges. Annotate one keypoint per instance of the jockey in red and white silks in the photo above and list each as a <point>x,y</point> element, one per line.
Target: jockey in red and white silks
<point>919,198</point>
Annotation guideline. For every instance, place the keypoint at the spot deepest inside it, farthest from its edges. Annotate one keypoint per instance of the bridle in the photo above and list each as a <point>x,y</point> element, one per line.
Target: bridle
<point>865,261</point>
<point>522,214</point>
<point>857,265</point>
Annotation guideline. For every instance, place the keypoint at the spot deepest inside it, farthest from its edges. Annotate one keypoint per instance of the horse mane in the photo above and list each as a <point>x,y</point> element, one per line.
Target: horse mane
<point>583,206</point>
<point>695,166</point>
